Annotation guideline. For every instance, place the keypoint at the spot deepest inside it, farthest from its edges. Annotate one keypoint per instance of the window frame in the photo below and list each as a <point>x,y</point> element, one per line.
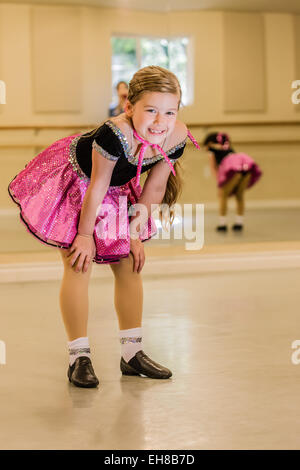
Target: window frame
<point>189,62</point>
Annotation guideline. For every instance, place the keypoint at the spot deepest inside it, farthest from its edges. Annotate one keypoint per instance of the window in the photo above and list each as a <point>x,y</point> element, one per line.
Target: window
<point>129,54</point>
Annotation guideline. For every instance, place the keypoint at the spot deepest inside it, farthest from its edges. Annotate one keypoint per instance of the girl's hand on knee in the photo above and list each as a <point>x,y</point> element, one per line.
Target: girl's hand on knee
<point>137,249</point>
<point>83,249</point>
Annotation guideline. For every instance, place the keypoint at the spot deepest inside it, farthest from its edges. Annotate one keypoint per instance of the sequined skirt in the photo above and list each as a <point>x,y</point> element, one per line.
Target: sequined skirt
<point>50,191</point>
<point>238,162</point>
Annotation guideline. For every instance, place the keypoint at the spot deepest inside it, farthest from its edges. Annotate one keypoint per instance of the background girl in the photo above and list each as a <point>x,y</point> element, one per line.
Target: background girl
<point>234,172</point>
<point>69,197</point>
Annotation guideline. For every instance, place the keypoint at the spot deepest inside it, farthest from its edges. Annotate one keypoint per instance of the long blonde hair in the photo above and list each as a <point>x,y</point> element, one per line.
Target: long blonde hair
<point>150,79</point>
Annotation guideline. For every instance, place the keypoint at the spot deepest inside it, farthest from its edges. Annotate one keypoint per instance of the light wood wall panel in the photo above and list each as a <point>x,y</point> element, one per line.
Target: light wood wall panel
<point>244,59</point>
<point>297,44</point>
<point>56,59</point>
<point>1,59</point>
<point>297,53</point>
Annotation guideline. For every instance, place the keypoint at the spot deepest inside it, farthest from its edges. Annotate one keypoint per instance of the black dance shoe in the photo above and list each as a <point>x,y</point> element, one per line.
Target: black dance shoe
<point>237,227</point>
<point>82,374</point>
<point>142,364</point>
<point>221,228</point>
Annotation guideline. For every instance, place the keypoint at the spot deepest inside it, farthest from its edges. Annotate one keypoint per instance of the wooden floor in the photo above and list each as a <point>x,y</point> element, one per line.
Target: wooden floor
<point>227,336</point>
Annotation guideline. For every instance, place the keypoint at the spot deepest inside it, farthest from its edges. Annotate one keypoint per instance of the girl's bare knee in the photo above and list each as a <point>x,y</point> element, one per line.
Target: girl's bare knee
<point>64,252</point>
<point>243,185</point>
<point>72,269</point>
<point>237,178</point>
<point>239,195</point>
<point>125,264</point>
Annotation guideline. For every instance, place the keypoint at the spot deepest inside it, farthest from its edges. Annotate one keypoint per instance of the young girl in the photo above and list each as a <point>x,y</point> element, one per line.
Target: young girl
<point>72,195</point>
<point>235,172</point>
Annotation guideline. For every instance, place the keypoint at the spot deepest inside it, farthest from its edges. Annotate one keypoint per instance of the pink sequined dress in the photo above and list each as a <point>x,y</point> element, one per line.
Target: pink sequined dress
<point>50,190</point>
<point>238,162</point>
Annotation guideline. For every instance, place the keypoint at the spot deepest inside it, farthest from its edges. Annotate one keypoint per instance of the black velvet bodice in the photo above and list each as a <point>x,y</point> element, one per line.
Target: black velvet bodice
<point>112,144</point>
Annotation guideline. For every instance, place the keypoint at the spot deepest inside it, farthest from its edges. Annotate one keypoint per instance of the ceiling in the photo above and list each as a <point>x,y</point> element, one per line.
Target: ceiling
<point>288,6</point>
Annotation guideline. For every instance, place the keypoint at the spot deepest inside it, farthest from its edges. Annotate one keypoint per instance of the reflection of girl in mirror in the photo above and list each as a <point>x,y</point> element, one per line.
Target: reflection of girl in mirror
<point>235,172</point>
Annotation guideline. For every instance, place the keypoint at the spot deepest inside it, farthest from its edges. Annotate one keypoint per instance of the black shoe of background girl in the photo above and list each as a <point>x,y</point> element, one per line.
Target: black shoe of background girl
<point>237,227</point>
<point>141,364</point>
<point>221,228</point>
<point>82,374</point>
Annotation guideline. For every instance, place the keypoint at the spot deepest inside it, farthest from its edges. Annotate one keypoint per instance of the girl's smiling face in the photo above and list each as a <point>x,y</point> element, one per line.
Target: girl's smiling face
<point>154,115</point>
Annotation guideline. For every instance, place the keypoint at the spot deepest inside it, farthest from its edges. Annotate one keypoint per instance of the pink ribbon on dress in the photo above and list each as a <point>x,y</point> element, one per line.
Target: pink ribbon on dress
<point>145,144</point>
<point>193,140</point>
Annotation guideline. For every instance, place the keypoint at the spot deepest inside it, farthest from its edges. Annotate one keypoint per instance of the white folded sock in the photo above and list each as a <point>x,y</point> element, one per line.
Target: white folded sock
<point>239,219</point>
<point>222,220</point>
<point>78,347</point>
<point>131,342</point>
